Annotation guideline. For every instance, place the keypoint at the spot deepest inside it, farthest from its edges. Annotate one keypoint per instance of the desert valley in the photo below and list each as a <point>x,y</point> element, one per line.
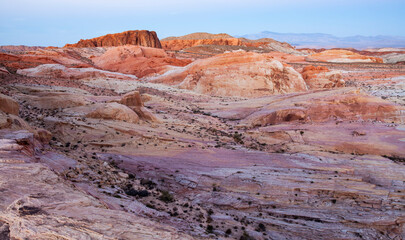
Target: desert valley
<point>202,136</point>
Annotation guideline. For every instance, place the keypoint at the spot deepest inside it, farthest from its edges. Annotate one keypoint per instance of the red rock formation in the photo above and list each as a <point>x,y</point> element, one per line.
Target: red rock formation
<point>139,61</point>
<point>343,56</point>
<point>36,58</point>
<point>139,37</point>
<point>179,44</point>
<point>322,77</point>
<point>236,74</point>
<point>19,48</point>
<point>199,39</point>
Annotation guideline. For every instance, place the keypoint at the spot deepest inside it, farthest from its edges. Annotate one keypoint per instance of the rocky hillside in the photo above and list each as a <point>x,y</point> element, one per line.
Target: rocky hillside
<point>192,41</point>
<point>18,48</point>
<point>199,35</point>
<point>138,37</point>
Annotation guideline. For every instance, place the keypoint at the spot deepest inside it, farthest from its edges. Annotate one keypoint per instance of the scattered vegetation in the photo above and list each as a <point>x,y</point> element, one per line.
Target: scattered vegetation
<point>246,236</point>
<point>166,197</point>
<point>261,228</point>
<point>237,137</point>
<point>395,158</point>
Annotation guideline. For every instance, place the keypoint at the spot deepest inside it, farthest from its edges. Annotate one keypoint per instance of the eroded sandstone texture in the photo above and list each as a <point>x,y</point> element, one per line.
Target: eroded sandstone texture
<point>236,74</point>
<point>210,142</point>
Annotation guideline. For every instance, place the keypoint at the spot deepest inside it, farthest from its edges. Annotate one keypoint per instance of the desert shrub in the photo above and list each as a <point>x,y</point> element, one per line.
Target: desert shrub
<point>166,197</point>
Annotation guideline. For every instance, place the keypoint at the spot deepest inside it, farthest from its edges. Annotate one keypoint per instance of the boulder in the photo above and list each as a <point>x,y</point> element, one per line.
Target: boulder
<point>14,122</point>
<point>112,111</point>
<point>9,105</point>
<point>134,101</point>
<point>43,135</point>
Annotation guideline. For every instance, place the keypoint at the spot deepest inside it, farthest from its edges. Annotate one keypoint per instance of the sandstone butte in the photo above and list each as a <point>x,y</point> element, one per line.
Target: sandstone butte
<point>139,37</point>
<point>342,56</point>
<point>235,74</point>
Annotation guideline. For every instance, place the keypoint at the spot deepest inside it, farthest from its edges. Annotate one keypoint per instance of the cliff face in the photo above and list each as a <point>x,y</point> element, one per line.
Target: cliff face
<point>139,37</point>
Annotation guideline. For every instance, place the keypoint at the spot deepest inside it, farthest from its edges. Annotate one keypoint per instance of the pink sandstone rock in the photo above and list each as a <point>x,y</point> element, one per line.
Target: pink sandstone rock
<point>236,74</point>
<point>320,77</point>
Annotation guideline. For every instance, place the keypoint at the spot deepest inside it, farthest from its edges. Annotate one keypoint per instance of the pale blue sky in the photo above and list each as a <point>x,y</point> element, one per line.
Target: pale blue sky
<point>56,22</point>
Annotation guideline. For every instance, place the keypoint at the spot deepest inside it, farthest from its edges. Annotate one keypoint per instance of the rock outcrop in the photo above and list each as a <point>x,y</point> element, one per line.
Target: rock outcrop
<point>236,74</point>
<point>128,59</point>
<point>40,204</point>
<point>345,104</point>
<point>9,105</point>
<point>179,44</point>
<point>138,37</point>
<point>318,77</point>
<point>44,56</point>
<point>4,71</point>
<point>18,48</point>
<point>199,35</point>
<point>52,98</point>
<point>60,71</point>
<point>134,101</point>
<point>394,58</point>
<point>342,56</point>
<point>207,39</point>
<point>111,111</point>
<point>139,61</point>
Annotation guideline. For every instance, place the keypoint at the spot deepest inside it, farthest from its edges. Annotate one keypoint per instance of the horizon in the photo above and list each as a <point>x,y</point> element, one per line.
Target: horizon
<point>46,23</point>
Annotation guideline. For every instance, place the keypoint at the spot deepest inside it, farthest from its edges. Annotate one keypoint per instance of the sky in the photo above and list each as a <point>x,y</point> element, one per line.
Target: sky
<point>57,22</point>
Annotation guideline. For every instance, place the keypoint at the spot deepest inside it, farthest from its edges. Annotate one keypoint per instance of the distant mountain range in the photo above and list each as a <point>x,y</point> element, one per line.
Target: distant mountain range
<point>321,40</point>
